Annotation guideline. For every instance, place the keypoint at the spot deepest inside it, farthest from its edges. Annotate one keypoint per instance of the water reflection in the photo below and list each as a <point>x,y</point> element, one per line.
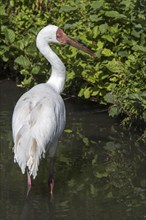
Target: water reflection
<point>99,169</point>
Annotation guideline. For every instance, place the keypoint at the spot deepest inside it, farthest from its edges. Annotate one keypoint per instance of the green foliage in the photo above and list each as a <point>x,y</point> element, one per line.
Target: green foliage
<point>116,31</point>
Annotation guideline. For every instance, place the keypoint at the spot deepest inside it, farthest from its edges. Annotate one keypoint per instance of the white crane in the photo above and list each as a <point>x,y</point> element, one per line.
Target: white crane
<point>39,115</point>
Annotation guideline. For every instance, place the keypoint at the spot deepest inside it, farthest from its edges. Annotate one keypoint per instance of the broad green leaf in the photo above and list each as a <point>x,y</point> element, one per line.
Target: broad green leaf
<point>97,4</point>
<point>101,175</point>
<point>115,66</point>
<point>139,48</point>
<point>86,141</point>
<point>100,45</point>
<point>87,93</point>
<point>23,61</point>
<point>81,92</point>
<point>10,35</point>
<point>96,31</point>
<point>134,96</point>
<point>68,131</point>
<point>107,52</point>
<point>135,33</point>
<point>27,81</point>
<point>35,70</point>
<point>24,72</point>
<point>113,79</point>
<point>114,111</point>
<point>93,18</point>
<point>114,14</point>
<point>114,29</point>
<point>108,38</point>
<point>67,8</point>
<point>5,58</point>
<point>112,146</point>
<point>123,53</point>
<point>2,10</point>
<point>109,98</point>
<point>70,76</point>
<point>98,53</point>
<point>95,93</point>
<point>93,189</point>
<point>91,79</point>
<point>109,195</point>
<point>103,28</point>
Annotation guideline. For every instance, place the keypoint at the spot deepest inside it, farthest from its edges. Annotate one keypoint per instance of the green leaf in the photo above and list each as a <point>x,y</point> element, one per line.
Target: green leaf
<point>93,18</point>
<point>25,72</point>
<point>67,8</point>
<point>97,4</point>
<point>70,76</point>
<point>27,82</point>
<point>86,141</point>
<point>96,31</point>
<point>115,66</point>
<point>114,29</point>
<point>109,98</point>
<point>2,10</point>
<point>91,79</point>
<point>114,14</point>
<point>136,33</point>
<point>139,48</point>
<point>134,96</point>
<point>68,131</point>
<point>93,189</point>
<point>112,146</point>
<point>110,195</point>
<point>107,52</point>
<point>103,28</point>
<point>95,93</point>
<point>10,35</point>
<point>114,111</point>
<point>23,61</point>
<point>87,93</point>
<point>101,175</point>
<point>108,38</point>
<point>35,70</point>
<point>81,92</point>
<point>100,45</point>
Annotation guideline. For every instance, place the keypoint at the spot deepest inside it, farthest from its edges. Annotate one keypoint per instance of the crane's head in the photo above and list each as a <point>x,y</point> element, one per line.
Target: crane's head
<point>52,33</point>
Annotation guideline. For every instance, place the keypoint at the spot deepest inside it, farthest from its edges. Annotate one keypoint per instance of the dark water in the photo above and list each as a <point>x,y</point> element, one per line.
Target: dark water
<point>100,169</point>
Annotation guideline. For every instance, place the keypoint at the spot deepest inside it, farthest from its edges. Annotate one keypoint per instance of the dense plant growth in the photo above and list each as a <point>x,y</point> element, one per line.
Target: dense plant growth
<point>115,30</point>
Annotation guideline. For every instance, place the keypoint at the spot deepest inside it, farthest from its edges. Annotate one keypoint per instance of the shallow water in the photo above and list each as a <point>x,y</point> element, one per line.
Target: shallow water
<point>99,169</point>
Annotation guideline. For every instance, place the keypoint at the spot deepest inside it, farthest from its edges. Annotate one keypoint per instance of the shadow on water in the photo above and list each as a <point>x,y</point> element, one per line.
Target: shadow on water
<point>99,169</point>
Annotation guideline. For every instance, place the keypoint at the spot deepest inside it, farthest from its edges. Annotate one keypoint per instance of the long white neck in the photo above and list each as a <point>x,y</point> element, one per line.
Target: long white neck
<point>58,74</point>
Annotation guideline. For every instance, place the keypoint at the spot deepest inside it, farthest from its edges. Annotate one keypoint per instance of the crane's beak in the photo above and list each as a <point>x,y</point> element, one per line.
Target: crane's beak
<point>64,39</point>
<point>79,46</point>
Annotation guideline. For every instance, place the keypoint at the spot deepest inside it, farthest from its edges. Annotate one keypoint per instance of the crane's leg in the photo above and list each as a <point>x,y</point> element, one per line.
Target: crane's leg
<point>28,183</point>
<point>51,176</point>
<point>28,179</point>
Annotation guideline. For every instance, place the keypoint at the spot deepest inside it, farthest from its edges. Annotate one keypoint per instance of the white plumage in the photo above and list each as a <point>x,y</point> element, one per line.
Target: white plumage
<point>36,127</point>
<point>39,115</point>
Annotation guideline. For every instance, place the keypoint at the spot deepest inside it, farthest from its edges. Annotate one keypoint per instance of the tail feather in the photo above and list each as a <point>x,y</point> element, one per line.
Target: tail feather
<point>27,151</point>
